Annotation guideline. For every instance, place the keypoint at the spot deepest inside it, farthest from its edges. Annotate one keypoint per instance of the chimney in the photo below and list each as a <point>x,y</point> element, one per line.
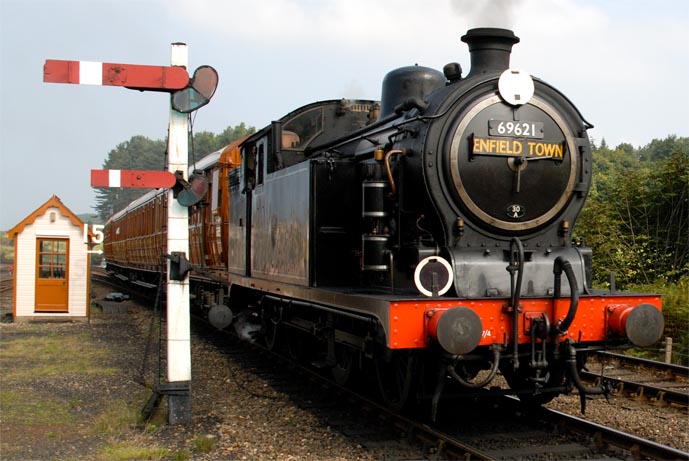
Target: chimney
<point>490,49</point>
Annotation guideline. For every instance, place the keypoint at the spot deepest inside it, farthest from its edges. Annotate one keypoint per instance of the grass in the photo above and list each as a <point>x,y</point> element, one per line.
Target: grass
<point>54,354</point>
<point>133,450</point>
<point>118,417</point>
<point>33,359</point>
<point>25,407</point>
<point>204,443</point>
<point>26,358</point>
<point>41,374</point>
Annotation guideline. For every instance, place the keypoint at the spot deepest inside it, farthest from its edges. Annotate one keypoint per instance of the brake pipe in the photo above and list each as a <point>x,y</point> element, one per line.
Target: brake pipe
<point>493,371</point>
<point>562,265</point>
<point>574,373</point>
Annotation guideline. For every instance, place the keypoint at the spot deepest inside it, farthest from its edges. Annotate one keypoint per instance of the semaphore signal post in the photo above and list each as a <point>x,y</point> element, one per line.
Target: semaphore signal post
<point>178,322</point>
<point>186,95</point>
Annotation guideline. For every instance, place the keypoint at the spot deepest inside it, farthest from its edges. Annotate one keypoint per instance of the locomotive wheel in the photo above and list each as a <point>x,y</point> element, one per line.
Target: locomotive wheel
<point>396,379</point>
<point>345,358</point>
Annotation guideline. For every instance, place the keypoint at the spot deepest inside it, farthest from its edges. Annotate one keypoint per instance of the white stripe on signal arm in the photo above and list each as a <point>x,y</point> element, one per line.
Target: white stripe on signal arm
<point>114,178</point>
<point>90,73</point>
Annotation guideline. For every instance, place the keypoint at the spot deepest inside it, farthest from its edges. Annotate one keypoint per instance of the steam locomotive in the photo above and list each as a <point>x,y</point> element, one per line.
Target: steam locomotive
<point>427,237</point>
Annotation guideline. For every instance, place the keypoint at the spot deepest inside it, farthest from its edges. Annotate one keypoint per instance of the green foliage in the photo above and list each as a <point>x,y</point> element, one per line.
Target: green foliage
<point>51,355</point>
<point>676,313</point>
<point>6,248</point>
<point>636,220</point>
<point>133,450</point>
<point>89,218</point>
<point>204,443</point>
<point>141,153</point>
<point>206,142</point>
<point>24,407</point>
<point>118,418</point>
<point>660,149</point>
<point>636,217</point>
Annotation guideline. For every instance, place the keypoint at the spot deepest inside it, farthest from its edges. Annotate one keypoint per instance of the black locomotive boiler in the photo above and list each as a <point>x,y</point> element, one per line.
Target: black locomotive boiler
<point>428,236</point>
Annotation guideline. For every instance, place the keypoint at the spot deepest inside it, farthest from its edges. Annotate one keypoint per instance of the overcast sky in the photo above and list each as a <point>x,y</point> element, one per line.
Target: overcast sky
<point>624,64</point>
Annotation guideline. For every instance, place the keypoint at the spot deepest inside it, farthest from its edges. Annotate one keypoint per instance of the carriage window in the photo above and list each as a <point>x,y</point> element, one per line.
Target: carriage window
<point>300,131</point>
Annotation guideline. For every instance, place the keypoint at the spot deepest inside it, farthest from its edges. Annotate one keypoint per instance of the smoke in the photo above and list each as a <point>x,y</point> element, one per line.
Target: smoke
<point>486,13</point>
<point>354,90</point>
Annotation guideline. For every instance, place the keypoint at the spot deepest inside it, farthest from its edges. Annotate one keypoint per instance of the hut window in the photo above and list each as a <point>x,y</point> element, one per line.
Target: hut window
<point>52,259</point>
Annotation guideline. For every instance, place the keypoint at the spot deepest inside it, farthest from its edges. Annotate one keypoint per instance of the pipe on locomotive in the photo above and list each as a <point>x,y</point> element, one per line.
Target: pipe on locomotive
<point>518,267</point>
<point>573,372</point>
<point>496,348</point>
<point>562,265</point>
<point>388,169</point>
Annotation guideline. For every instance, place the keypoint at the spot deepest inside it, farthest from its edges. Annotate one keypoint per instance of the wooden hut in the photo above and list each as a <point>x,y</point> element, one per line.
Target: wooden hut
<point>51,264</point>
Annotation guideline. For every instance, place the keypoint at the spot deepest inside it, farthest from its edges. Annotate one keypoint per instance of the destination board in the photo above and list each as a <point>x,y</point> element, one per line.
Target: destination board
<point>517,148</point>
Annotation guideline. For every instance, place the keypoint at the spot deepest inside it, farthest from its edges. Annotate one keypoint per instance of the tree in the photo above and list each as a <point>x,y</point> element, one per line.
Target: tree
<point>636,218</point>
<point>141,153</point>
<point>668,211</point>
<point>206,142</point>
<point>661,149</point>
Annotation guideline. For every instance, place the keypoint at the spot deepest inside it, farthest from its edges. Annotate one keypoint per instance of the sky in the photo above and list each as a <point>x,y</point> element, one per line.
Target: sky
<point>623,63</point>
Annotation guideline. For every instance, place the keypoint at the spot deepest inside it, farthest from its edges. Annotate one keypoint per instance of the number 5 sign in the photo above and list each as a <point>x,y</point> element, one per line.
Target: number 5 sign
<point>96,232</point>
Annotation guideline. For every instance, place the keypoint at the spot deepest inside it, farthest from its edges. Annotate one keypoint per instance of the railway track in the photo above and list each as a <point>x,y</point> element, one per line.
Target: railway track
<point>101,276</point>
<point>665,368</point>
<point>643,380</point>
<point>505,432</point>
<point>5,284</point>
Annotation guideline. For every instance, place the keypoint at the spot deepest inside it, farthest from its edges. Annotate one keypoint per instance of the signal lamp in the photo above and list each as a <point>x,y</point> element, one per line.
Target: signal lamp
<point>198,92</point>
<point>190,192</point>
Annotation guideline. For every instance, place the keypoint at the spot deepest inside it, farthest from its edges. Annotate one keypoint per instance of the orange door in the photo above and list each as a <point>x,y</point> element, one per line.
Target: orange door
<point>52,287</point>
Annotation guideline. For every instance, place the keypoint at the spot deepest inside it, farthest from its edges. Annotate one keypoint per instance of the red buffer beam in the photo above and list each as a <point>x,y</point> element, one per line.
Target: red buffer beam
<point>135,76</point>
<point>132,178</point>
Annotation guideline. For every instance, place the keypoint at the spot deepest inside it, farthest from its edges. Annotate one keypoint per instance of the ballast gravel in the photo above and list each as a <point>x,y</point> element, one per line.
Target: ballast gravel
<point>237,414</point>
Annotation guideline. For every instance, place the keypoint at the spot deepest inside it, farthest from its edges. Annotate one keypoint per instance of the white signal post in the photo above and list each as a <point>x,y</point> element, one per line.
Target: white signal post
<point>178,321</point>
<point>187,95</point>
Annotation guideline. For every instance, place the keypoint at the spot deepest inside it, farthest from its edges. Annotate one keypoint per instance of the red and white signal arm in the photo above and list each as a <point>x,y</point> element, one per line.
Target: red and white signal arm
<point>135,76</point>
<point>133,178</point>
